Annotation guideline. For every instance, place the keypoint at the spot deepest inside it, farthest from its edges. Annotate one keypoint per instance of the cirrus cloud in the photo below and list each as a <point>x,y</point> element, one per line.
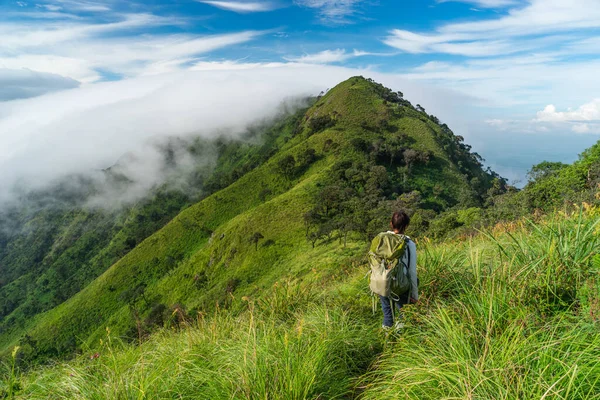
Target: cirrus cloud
<point>332,11</point>
<point>241,6</point>
<point>484,3</point>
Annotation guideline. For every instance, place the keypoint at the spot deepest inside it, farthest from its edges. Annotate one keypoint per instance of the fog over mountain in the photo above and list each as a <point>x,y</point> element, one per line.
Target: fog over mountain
<point>88,129</point>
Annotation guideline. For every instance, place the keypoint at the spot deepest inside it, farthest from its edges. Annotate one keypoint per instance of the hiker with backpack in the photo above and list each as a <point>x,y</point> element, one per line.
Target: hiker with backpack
<point>393,262</point>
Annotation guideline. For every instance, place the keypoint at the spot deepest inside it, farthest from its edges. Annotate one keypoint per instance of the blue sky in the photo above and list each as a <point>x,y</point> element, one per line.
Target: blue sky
<point>522,75</point>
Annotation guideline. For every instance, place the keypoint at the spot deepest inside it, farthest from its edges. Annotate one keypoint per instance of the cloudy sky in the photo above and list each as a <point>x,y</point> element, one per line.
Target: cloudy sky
<point>517,78</point>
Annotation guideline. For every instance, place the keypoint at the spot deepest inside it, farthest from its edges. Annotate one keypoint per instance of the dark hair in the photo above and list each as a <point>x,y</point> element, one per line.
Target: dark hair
<point>400,221</point>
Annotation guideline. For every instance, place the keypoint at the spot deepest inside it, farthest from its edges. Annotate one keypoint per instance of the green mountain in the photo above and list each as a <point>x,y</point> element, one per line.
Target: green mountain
<point>299,194</point>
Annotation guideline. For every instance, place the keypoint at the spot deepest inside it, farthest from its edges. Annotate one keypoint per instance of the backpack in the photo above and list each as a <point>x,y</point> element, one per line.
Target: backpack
<point>389,276</point>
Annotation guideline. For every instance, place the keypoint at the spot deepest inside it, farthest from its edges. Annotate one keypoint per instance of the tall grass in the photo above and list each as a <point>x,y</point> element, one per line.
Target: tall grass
<point>281,348</point>
<point>10,384</point>
<point>510,314</point>
<point>512,328</point>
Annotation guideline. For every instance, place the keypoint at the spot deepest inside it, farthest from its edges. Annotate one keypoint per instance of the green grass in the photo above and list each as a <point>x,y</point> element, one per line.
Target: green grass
<point>283,346</point>
<point>510,324</point>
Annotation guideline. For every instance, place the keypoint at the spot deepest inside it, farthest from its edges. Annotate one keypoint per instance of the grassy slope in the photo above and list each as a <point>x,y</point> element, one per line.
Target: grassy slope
<point>167,262</point>
<point>51,245</point>
<point>64,249</point>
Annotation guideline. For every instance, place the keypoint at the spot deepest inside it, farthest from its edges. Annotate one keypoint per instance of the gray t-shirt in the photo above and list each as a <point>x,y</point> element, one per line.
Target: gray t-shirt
<point>412,269</point>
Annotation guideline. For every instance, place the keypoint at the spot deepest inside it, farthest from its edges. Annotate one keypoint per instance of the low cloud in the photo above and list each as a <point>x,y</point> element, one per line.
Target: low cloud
<point>23,83</point>
<point>497,123</point>
<point>581,128</point>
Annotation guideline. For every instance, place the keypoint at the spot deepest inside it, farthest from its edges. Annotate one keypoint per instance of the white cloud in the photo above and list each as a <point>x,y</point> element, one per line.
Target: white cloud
<point>449,44</point>
<point>333,56</point>
<point>519,30</point>
<point>587,112</point>
<point>142,56</point>
<point>229,65</point>
<point>323,57</point>
<point>80,49</point>
<point>537,17</point>
<point>331,11</point>
<point>51,7</point>
<point>241,6</point>
<point>38,36</point>
<point>82,5</point>
<point>87,48</point>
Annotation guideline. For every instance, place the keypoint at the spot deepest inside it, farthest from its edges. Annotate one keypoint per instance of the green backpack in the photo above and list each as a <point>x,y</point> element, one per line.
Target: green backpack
<point>389,276</point>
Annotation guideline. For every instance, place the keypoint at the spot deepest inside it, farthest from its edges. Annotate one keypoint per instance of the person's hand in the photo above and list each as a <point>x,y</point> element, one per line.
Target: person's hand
<point>413,301</point>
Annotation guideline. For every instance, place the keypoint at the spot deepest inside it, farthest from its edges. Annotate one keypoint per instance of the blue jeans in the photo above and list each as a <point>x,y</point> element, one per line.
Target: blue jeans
<point>388,317</point>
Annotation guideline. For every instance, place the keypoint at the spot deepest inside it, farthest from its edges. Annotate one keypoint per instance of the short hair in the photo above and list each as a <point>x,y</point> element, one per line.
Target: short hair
<point>400,220</point>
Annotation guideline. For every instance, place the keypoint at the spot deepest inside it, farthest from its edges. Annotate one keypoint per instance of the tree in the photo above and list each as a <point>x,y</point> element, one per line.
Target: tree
<point>331,198</point>
<point>320,123</point>
<point>410,158</point>
<point>544,170</point>
<point>311,218</point>
<point>306,158</point>
<point>393,147</point>
<point>314,236</point>
<point>409,202</point>
<point>498,187</point>
<point>130,296</point>
<point>360,144</point>
<point>377,181</point>
<point>264,193</point>
<point>593,176</point>
<point>256,238</point>
<point>287,166</point>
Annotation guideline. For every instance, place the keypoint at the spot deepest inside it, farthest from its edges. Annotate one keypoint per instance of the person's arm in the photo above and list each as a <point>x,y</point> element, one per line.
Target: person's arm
<point>412,272</point>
